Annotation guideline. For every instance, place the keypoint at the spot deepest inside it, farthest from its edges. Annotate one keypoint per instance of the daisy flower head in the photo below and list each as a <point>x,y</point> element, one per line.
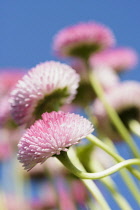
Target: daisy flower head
<point>119,59</point>
<point>56,132</point>
<point>82,39</point>
<point>45,88</point>
<point>124,98</point>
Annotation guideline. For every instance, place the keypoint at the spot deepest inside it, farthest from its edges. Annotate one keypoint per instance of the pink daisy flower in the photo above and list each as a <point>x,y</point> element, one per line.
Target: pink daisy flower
<point>119,59</point>
<point>45,88</point>
<point>124,98</point>
<point>82,39</point>
<point>56,132</point>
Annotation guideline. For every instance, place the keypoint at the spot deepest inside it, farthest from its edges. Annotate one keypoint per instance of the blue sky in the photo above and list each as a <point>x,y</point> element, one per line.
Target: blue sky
<point>28,27</point>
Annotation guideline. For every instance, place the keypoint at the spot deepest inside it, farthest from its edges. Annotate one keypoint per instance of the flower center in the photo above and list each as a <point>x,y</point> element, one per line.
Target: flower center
<point>85,94</point>
<point>84,50</point>
<point>129,114</point>
<point>51,102</point>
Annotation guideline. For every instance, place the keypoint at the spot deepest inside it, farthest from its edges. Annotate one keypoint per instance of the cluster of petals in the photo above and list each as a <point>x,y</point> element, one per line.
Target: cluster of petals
<point>122,97</point>
<point>41,81</point>
<point>56,132</point>
<point>118,59</point>
<point>90,33</point>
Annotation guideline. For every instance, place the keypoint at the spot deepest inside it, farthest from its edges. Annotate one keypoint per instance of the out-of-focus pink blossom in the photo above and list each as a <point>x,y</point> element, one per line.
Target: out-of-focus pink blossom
<point>106,76</point>
<point>124,98</point>
<point>47,198</point>
<point>8,79</point>
<point>79,191</point>
<point>9,139</point>
<point>82,39</point>
<point>45,88</point>
<point>56,132</point>
<point>4,110</point>
<point>64,196</point>
<point>119,59</point>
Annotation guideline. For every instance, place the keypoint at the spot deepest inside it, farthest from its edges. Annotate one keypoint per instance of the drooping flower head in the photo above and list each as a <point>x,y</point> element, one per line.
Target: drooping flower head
<point>119,59</point>
<point>45,88</point>
<point>124,98</point>
<point>56,132</point>
<point>82,39</point>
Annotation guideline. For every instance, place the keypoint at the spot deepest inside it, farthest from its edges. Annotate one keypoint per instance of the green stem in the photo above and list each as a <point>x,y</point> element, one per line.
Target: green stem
<point>111,149</point>
<point>113,115</point>
<point>110,184</point>
<point>107,149</point>
<point>18,178</point>
<point>64,159</point>
<point>91,186</point>
<point>135,127</point>
<point>125,175</point>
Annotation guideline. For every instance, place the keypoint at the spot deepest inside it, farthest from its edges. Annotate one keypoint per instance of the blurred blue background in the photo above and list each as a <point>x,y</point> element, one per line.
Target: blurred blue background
<point>27,29</point>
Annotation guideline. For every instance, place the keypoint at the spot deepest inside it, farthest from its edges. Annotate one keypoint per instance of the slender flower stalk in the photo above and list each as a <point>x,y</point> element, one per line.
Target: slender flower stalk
<point>111,186</point>
<point>64,159</point>
<point>110,148</point>
<point>134,126</point>
<point>114,116</point>
<point>107,149</point>
<point>90,184</point>
<point>133,188</point>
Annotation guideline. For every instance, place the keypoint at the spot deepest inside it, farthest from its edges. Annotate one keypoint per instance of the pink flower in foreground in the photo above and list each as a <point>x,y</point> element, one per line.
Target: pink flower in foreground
<point>56,132</point>
<point>82,39</point>
<point>45,88</point>
<point>119,59</point>
<point>124,98</point>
